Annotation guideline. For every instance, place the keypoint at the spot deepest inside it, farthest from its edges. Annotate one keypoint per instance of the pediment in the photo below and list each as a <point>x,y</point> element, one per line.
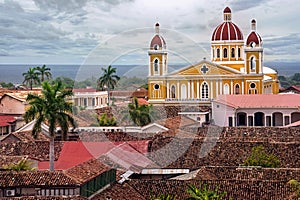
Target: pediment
<point>205,68</point>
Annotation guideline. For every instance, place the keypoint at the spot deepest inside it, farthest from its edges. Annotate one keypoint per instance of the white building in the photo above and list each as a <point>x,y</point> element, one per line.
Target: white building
<point>90,98</point>
<point>256,110</point>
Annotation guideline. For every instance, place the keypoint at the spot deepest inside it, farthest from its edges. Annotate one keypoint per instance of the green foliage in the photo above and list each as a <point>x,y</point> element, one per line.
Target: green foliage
<point>31,77</point>
<point>44,73</point>
<point>90,82</point>
<point>139,114</point>
<point>164,197</point>
<point>53,109</point>
<point>287,81</point>
<point>259,157</point>
<point>295,187</point>
<point>6,85</point>
<point>104,120</point>
<point>22,165</point>
<point>128,83</point>
<point>203,193</point>
<point>66,82</point>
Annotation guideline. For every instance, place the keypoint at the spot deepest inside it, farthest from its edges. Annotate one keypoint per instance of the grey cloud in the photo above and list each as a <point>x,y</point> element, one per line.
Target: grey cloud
<point>287,45</point>
<point>238,5</point>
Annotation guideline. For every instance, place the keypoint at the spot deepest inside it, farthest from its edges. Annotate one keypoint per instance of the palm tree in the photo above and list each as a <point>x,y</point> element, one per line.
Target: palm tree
<point>31,77</point>
<point>139,114</point>
<point>108,80</point>
<point>51,108</point>
<point>22,165</point>
<point>44,72</point>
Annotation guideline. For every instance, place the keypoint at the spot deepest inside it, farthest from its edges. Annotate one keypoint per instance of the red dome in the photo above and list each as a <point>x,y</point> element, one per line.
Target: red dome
<point>227,31</point>
<point>254,37</point>
<point>158,40</point>
<point>227,10</point>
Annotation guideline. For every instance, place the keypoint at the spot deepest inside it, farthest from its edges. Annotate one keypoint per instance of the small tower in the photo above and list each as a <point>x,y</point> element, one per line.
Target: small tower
<point>157,55</point>
<point>254,51</point>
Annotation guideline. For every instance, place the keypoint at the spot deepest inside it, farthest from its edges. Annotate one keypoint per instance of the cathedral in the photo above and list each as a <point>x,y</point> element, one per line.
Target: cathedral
<point>236,67</point>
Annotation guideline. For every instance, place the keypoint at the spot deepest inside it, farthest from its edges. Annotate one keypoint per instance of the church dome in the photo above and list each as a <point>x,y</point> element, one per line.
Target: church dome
<point>157,42</point>
<point>227,30</point>
<point>253,38</point>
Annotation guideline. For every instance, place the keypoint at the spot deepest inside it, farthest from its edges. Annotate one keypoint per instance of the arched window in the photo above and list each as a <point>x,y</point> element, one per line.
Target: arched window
<point>218,53</point>
<point>226,89</point>
<point>232,52</point>
<point>204,91</point>
<point>252,89</point>
<point>237,89</point>
<point>252,64</point>
<point>239,52</point>
<point>225,53</point>
<point>173,91</point>
<point>156,65</point>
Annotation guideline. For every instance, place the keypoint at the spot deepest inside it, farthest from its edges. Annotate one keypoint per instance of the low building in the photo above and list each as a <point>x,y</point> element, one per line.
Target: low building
<point>256,110</point>
<point>90,98</point>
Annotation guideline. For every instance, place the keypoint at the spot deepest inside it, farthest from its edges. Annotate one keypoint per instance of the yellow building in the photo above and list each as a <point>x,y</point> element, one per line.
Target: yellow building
<point>236,67</point>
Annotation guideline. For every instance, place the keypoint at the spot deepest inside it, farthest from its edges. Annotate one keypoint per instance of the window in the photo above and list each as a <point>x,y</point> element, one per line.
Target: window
<point>204,90</point>
<point>252,89</point>
<point>156,47</point>
<point>156,87</point>
<point>232,52</point>
<point>237,89</point>
<point>225,53</point>
<point>252,64</point>
<point>218,53</point>
<point>156,65</point>
<point>226,89</point>
<point>239,52</point>
<point>173,91</point>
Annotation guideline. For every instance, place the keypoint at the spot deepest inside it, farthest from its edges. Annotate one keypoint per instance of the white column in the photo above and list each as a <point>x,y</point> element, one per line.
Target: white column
<point>217,88</point>
<point>221,87</point>
<point>168,89</point>
<point>231,87</point>
<point>178,91</point>
<point>189,90</point>
<point>243,86</point>
<point>211,90</point>
<point>198,95</point>
<point>233,120</point>
<point>193,96</point>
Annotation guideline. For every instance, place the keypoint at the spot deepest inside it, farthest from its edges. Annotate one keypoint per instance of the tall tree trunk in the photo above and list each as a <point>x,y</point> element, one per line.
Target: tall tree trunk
<point>51,154</point>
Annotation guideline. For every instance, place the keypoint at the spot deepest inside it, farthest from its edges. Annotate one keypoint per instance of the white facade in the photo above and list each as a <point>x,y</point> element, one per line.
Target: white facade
<point>90,99</point>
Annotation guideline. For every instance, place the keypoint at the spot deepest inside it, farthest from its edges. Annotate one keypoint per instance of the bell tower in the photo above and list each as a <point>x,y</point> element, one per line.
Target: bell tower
<point>254,51</point>
<point>158,56</point>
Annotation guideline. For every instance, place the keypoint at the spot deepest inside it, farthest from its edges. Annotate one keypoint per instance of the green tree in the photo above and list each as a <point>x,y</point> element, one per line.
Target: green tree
<point>67,82</point>
<point>104,120</point>
<point>22,165</point>
<point>31,77</point>
<point>259,157</point>
<point>139,114</point>
<point>44,73</point>
<point>108,80</point>
<point>203,193</point>
<point>295,187</point>
<point>53,109</point>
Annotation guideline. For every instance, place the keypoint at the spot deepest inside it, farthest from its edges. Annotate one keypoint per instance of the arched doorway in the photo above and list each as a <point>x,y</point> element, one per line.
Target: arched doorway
<point>241,119</point>
<point>183,91</point>
<point>277,119</point>
<point>295,116</point>
<point>259,119</point>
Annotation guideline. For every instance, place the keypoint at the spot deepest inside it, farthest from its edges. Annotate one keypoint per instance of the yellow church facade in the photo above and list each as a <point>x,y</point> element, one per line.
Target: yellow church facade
<point>236,67</point>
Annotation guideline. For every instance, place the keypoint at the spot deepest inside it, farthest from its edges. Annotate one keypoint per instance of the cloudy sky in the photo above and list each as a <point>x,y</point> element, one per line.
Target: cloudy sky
<point>119,31</point>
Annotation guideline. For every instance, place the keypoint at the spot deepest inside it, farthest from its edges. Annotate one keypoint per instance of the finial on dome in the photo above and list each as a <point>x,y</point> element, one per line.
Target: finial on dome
<point>253,25</point>
<point>157,28</point>
<point>227,14</point>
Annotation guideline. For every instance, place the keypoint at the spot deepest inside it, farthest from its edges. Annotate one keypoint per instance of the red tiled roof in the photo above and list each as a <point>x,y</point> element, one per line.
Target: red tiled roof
<point>261,100</point>
<point>5,120</point>
<point>143,101</point>
<point>74,153</point>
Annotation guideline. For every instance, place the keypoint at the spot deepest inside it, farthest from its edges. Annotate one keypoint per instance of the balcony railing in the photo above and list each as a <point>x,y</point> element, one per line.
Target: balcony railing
<point>187,100</point>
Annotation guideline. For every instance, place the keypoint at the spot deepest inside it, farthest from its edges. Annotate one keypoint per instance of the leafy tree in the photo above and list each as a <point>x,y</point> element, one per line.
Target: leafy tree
<point>67,82</point>
<point>259,157</point>
<point>104,120</point>
<point>6,85</point>
<point>22,165</point>
<point>296,77</point>
<point>203,193</point>
<point>51,108</point>
<point>44,73</point>
<point>296,188</point>
<point>108,80</point>
<point>139,114</point>
<point>31,77</point>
